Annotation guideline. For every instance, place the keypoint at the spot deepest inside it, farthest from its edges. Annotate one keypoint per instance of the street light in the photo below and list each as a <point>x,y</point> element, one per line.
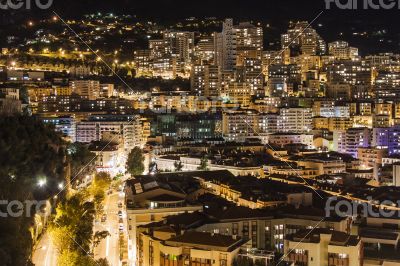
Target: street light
<point>61,185</point>
<point>42,182</point>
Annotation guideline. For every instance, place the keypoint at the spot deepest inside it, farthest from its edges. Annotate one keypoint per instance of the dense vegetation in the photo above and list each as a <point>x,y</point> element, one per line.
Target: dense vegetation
<point>33,163</point>
<point>72,227</point>
<point>134,164</point>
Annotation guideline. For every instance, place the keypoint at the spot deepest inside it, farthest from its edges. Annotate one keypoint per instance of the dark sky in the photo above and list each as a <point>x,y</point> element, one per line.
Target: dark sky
<point>257,9</point>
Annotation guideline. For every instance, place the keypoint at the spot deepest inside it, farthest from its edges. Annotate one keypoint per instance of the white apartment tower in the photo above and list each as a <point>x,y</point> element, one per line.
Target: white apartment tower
<point>295,120</point>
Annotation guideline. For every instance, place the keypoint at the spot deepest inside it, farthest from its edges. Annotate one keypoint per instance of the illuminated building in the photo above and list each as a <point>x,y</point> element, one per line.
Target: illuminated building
<point>238,125</point>
<point>348,141</point>
<point>304,38</point>
<point>205,80</point>
<point>323,247</point>
<point>93,129</point>
<point>87,88</point>
<point>342,50</point>
<point>64,124</point>
<point>296,120</point>
<point>142,62</point>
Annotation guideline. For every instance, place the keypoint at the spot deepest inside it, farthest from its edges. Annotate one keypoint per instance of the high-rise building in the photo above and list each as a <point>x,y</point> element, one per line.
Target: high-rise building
<point>205,80</point>
<point>251,74</point>
<point>181,44</point>
<point>159,48</point>
<point>227,41</point>
<point>304,39</point>
<point>249,42</point>
<point>204,50</point>
<point>235,43</point>
<point>142,62</point>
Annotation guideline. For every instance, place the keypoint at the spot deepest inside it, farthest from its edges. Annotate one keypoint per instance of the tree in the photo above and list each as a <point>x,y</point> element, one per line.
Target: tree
<point>29,150</point>
<point>134,164</point>
<point>81,159</point>
<point>102,262</point>
<point>76,216</point>
<point>178,166</point>
<point>203,164</point>
<point>98,236</point>
<point>97,189</point>
<point>75,258</point>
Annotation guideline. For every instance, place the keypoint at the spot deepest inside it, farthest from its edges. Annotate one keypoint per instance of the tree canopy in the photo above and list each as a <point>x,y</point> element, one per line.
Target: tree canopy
<point>29,151</point>
<point>134,164</point>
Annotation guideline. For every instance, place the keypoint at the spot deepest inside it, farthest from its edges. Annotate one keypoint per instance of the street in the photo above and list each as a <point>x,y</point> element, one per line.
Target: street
<point>109,247</point>
<point>45,253</point>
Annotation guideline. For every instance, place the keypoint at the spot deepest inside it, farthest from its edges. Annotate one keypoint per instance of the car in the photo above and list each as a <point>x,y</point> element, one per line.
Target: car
<point>119,204</point>
<point>103,218</point>
<point>121,227</point>
<point>121,221</point>
<point>120,214</point>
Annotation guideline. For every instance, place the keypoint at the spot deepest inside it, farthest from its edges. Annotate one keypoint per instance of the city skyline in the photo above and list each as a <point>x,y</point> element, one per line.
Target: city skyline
<point>200,134</point>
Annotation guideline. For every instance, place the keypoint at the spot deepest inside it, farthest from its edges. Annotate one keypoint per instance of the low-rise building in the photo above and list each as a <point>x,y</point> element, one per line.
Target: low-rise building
<point>317,247</point>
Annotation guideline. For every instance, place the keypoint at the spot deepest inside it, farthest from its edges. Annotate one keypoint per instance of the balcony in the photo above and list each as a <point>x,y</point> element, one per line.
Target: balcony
<point>337,260</point>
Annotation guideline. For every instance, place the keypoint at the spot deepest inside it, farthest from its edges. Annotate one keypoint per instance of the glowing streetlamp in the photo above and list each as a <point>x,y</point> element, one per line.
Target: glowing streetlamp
<point>42,182</point>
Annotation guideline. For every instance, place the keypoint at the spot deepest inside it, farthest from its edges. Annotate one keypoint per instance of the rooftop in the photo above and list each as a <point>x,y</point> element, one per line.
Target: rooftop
<point>207,239</point>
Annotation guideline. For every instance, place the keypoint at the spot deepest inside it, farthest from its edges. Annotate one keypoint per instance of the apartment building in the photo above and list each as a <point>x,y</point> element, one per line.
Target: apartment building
<point>297,120</point>
<point>93,129</point>
<point>323,247</point>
